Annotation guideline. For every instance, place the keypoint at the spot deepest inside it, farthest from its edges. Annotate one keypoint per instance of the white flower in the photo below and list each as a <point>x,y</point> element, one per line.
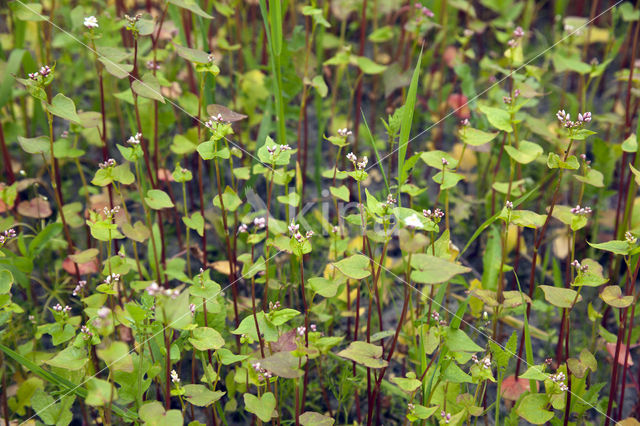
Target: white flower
<point>260,222</point>
<point>352,157</point>
<point>91,22</point>
<point>413,221</point>
<point>174,377</point>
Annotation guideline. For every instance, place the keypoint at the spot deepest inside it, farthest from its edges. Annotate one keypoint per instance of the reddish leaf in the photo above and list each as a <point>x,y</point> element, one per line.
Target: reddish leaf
<point>84,268</point>
<point>165,175</point>
<point>611,348</point>
<point>512,388</point>
<point>458,102</point>
<point>450,56</point>
<point>38,208</point>
<point>286,342</point>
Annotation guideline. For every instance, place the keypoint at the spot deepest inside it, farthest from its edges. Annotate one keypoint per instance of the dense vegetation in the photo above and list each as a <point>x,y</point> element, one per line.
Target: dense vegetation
<point>319,212</point>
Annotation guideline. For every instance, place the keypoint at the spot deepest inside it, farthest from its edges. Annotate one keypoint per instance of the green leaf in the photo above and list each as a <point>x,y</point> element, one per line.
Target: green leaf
<point>458,341</point>
<point>356,266</point>
<point>63,107</point>
<point>365,354</point>
<point>614,246</point>
<point>450,180</point>
<point>281,316</point>
<point>121,173</point>
<point>279,158</point>
<point>382,34</point>
<point>158,199</point>
<point>205,338</point>
<point>282,364</point>
<point>595,178</point>
<point>630,144</point>
<point>293,199</point>
<point>367,65</point>
<point>323,287</point>
<point>562,62</point>
<point>554,162</point>
<point>209,150</point>
<point>341,192</point>
<point>37,145</point>
<point>148,87</point>
<point>71,358</point>
<point>310,418</point>
<point>262,407</point>
<point>63,149</point>
<point>525,153</point>
<point>192,55</point>
<point>475,137</point>
<point>100,392</point>
<point>192,6</point>
<point>117,357</point>
<point>229,198</point>
<point>592,277</point>
<point>560,297</point>
<point>195,222</point>
<point>200,396</point>
<point>27,11</point>
<point>267,329</point>
<point>535,372</point>
<point>408,384</point>
<point>175,313</point>
<point>532,408</point>
<point>636,174</point>
<point>6,280</point>
<point>434,159</point>
<point>499,118</point>
<point>137,232</point>
<point>434,270</point>
<point>153,414</point>
<point>612,296</point>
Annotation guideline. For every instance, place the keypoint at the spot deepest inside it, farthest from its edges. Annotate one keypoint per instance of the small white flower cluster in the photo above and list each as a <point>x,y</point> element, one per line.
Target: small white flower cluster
<point>154,289</point>
<point>294,229</point>
<point>436,317</point>
<point>509,205</point>
<point>518,32</point>
<point>260,222</point>
<point>436,214</point>
<point>153,65</point>
<point>109,213</point>
<point>465,122</point>
<point>214,120</point>
<point>390,200</point>
<point>192,308</point>
<point>174,377</point>
<point>43,71</point>
<point>109,163</point>
<point>579,267</point>
<point>112,279</point>
<point>445,162</point>
<point>581,210</point>
<point>424,10</point>
<point>274,149</point>
<point>60,308</point>
<point>132,20</point>
<point>445,416</point>
<point>91,22</point>
<point>274,306</point>
<point>485,362</point>
<point>103,312</point>
<point>301,330</point>
<point>242,228</point>
<point>630,238</point>
<point>79,287</point>
<point>344,132</point>
<point>85,330</point>
<point>360,165</point>
<point>6,236</point>
<point>565,119</point>
<point>135,139</point>
<point>262,373</point>
<point>559,379</point>
<point>583,157</point>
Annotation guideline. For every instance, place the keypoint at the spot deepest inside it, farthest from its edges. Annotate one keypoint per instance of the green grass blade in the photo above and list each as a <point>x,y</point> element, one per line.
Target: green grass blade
<point>66,385</point>
<point>375,149</point>
<point>405,125</point>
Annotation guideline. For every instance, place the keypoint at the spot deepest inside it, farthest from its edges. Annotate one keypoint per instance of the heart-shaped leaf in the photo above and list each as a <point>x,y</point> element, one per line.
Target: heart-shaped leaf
<point>434,270</point>
<point>158,199</point>
<point>365,354</point>
<point>262,407</point>
<point>356,267</point>
<point>612,296</point>
<point>205,338</point>
<point>560,297</point>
